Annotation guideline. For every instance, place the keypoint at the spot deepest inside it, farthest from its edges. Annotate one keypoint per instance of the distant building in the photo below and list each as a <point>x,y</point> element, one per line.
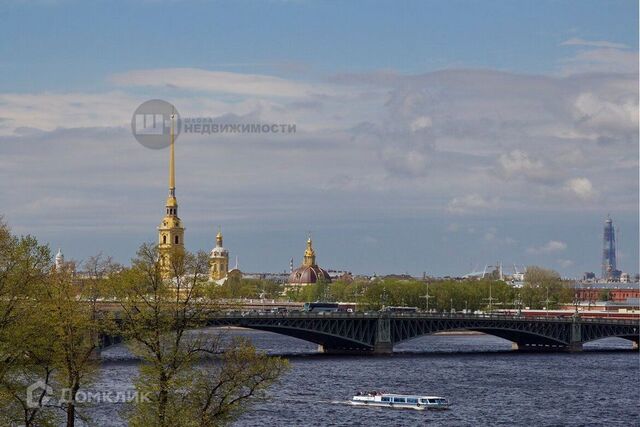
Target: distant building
<point>610,291</point>
<point>309,272</point>
<point>59,260</point>
<point>609,266</point>
<point>218,261</point>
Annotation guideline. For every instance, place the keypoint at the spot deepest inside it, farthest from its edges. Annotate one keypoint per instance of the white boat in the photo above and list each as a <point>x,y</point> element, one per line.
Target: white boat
<point>400,401</point>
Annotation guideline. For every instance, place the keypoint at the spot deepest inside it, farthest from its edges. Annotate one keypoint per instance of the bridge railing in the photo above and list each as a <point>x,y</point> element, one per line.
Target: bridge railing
<point>423,315</point>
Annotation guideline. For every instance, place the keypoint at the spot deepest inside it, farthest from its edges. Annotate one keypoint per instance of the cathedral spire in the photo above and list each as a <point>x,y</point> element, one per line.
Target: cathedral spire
<point>172,166</point>
<point>219,237</point>
<point>309,254</point>
<point>170,231</point>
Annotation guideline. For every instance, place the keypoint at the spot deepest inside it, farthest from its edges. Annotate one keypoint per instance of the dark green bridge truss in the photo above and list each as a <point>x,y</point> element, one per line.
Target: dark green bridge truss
<point>368,333</point>
<point>376,333</point>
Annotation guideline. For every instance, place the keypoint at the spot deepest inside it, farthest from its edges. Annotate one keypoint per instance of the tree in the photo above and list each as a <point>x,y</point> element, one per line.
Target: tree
<point>540,284</point>
<point>158,318</point>
<point>76,323</point>
<point>26,354</point>
<point>218,394</point>
<point>36,297</point>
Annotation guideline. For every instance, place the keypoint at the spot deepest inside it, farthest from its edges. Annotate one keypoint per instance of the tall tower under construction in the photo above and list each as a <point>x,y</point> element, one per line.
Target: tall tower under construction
<point>609,267</point>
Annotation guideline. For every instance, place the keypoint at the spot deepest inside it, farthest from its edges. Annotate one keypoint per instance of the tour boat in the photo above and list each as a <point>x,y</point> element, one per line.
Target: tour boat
<point>400,401</point>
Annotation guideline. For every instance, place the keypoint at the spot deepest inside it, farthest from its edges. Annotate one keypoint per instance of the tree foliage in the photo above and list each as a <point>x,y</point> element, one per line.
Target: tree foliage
<point>442,295</point>
<point>159,317</point>
<point>52,321</point>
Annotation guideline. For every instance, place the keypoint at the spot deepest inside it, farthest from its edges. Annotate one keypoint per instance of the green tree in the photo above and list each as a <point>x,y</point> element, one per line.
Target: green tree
<point>26,354</point>
<point>75,323</point>
<point>541,284</point>
<point>157,316</point>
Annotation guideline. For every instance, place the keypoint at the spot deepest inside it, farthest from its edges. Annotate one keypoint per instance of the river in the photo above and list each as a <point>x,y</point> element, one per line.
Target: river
<point>488,384</point>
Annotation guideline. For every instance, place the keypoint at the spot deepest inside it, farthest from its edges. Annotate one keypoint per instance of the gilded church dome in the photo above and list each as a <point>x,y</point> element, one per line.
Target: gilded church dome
<point>308,272</point>
<point>305,275</point>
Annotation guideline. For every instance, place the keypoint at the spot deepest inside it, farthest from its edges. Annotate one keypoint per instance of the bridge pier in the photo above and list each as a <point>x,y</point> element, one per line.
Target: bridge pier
<point>574,347</point>
<point>383,348</point>
<point>382,343</point>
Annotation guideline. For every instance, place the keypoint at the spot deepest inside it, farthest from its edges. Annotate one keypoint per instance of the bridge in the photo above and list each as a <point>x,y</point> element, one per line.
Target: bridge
<point>377,333</point>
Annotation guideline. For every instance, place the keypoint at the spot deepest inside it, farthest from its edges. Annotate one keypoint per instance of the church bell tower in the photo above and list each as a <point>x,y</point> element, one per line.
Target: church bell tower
<point>170,231</point>
<point>219,260</point>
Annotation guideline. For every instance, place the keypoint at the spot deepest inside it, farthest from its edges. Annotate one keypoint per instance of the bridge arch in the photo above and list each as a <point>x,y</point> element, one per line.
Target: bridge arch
<point>522,333</point>
<point>633,338</point>
<point>513,335</point>
<point>333,334</point>
<point>324,339</point>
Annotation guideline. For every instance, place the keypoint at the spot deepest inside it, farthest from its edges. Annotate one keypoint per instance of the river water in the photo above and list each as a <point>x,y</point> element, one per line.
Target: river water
<point>488,384</point>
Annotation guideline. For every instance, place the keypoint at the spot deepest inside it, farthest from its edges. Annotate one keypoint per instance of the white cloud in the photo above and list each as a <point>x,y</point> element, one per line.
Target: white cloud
<point>576,41</point>
<point>49,111</point>
<point>470,202</point>
<point>519,164</point>
<point>194,79</point>
<point>601,60</point>
<point>405,163</point>
<point>605,116</point>
<point>580,187</point>
<point>552,246</point>
<point>420,123</point>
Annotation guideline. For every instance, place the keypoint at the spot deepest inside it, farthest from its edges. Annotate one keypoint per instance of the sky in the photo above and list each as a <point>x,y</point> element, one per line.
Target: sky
<point>431,136</point>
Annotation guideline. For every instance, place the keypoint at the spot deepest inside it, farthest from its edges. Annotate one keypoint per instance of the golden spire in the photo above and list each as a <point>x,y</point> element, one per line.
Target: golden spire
<point>309,254</point>
<point>219,237</point>
<point>170,231</point>
<point>172,167</point>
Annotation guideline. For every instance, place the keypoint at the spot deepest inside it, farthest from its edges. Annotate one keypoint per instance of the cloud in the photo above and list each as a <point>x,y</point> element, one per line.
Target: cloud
<point>553,246</point>
<point>519,164</point>
<point>576,41</point>
<point>580,187</point>
<point>606,116</point>
<point>468,203</point>
<point>198,80</point>
<point>453,141</point>
<point>420,123</point>
<point>49,111</point>
<point>599,57</point>
<point>565,263</point>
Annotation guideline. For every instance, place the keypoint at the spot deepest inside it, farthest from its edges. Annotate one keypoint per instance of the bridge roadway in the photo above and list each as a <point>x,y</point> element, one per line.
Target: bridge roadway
<point>377,333</point>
